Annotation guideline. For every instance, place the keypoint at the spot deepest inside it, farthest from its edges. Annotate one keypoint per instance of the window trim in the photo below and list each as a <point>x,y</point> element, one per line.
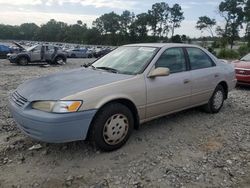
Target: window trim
<point>189,62</point>
<point>184,55</point>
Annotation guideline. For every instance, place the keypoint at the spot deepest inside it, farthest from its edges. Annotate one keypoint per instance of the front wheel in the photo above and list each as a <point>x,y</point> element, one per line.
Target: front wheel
<point>112,127</point>
<point>216,101</point>
<point>23,61</point>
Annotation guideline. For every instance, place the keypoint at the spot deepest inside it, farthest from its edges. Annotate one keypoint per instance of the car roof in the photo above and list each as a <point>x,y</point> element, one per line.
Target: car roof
<point>161,45</point>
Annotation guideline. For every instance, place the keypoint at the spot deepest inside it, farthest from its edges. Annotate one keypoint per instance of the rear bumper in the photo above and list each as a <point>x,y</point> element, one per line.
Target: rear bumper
<point>243,79</point>
<point>52,127</point>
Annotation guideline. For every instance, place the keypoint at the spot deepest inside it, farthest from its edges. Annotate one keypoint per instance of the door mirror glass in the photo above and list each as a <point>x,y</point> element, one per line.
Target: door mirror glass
<point>160,71</point>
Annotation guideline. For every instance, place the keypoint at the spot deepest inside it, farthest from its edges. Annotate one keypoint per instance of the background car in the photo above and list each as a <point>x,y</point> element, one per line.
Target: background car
<point>4,50</point>
<point>242,70</point>
<point>39,53</point>
<point>102,52</point>
<point>79,53</point>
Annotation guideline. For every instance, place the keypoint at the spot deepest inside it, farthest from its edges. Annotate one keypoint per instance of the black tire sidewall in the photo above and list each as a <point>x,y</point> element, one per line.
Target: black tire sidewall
<point>98,125</point>
<point>19,61</point>
<point>211,102</point>
<point>57,59</point>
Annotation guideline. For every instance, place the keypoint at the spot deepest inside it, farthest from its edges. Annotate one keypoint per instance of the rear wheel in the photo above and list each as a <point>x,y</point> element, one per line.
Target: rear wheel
<point>59,60</point>
<point>23,61</point>
<point>73,56</point>
<point>112,127</point>
<point>216,101</point>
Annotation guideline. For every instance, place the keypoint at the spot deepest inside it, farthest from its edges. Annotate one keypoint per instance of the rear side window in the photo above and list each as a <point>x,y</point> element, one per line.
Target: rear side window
<point>174,59</point>
<point>199,59</point>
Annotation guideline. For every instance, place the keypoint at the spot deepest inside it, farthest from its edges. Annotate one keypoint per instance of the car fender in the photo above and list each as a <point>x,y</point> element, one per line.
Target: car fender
<point>111,98</point>
<point>23,55</point>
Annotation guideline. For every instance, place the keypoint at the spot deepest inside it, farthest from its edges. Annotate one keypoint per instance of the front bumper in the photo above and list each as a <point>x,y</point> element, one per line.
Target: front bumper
<point>52,127</point>
<point>12,60</point>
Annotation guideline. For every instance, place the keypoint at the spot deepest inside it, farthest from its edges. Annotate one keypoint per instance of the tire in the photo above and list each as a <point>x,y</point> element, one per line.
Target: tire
<point>59,60</point>
<point>23,61</point>
<point>216,101</point>
<point>73,56</point>
<point>111,127</point>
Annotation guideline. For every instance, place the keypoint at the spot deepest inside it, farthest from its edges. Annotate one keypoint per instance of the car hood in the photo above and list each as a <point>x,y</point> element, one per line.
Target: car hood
<point>19,45</point>
<point>63,84</point>
<point>242,64</point>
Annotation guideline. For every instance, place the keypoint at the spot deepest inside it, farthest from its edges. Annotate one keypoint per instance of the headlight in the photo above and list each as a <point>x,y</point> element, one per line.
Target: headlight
<point>57,106</point>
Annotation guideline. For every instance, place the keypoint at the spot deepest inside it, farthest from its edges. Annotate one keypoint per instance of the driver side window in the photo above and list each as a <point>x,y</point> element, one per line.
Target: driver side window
<point>37,49</point>
<point>174,59</point>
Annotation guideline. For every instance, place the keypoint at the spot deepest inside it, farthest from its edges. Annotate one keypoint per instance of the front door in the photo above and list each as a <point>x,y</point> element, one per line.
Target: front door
<point>169,93</point>
<point>35,54</point>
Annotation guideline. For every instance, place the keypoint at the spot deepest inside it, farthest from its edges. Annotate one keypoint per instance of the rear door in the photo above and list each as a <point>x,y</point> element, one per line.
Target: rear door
<point>169,93</point>
<point>204,75</point>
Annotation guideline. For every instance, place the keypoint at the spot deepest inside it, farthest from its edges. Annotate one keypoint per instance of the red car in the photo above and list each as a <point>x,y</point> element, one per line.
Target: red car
<point>242,70</point>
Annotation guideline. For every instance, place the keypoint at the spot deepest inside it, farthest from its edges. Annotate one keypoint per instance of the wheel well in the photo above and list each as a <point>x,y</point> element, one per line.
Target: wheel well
<point>60,55</point>
<point>225,87</point>
<point>24,56</point>
<point>131,106</point>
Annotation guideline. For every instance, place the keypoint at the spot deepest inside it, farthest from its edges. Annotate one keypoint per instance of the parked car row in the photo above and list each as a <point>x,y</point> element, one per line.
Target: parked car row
<point>87,52</point>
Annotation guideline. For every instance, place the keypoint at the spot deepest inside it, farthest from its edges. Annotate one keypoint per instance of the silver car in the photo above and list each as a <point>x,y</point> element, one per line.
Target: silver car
<point>38,53</point>
<point>80,53</point>
<point>131,85</point>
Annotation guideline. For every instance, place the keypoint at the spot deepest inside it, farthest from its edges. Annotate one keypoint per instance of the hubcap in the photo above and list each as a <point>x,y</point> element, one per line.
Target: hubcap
<point>115,129</point>
<point>218,99</point>
<point>23,61</point>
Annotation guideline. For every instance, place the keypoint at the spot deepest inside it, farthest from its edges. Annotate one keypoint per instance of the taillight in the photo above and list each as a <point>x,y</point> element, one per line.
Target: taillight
<point>242,71</point>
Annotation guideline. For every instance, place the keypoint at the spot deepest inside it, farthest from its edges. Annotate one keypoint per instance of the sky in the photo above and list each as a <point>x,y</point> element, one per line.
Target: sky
<point>15,12</point>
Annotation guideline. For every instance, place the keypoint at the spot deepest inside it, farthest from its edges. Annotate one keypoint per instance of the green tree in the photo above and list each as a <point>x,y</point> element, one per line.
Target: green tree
<point>176,17</point>
<point>126,20</point>
<point>53,31</point>
<point>232,12</point>
<point>247,20</point>
<point>139,26</point>
<point>79,22</point>
<point>206,23</point>
<point>158,18</point>
<point>108,23</point>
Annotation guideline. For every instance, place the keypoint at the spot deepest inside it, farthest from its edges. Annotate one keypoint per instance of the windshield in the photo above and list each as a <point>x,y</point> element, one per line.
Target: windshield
<point>127,60</point>
<point>31,48</point>
<point>246,58</point>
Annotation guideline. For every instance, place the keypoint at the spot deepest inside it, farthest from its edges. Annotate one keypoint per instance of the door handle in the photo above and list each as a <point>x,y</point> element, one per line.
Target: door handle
<point>186,81</point>
<point>216,75</point>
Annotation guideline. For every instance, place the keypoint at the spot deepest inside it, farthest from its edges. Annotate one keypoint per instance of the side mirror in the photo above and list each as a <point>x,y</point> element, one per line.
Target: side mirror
<point>160,71</point>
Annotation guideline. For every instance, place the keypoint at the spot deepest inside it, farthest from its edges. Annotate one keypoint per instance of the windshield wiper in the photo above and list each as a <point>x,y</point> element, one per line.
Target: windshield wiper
<point>108,69</point>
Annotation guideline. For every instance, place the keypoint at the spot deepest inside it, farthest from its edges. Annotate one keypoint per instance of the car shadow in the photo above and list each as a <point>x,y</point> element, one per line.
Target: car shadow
<point>243,87</point>
<point>149,129</point>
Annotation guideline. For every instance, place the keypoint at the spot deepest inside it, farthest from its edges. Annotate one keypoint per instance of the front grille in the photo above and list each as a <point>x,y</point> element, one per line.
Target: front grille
<point>242,71</point>
<point>18,99</point>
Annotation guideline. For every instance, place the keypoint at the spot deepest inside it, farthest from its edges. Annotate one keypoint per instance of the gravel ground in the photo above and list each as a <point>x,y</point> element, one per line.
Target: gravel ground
<point>187,149</point>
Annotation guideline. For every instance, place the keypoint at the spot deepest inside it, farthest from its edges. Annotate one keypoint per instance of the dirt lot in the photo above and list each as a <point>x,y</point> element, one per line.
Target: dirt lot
<point>187,149</point>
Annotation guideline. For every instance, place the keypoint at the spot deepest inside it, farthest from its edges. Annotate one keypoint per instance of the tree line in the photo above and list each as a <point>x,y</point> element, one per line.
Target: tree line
<point>111,29</point>
<point>156,25</point>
